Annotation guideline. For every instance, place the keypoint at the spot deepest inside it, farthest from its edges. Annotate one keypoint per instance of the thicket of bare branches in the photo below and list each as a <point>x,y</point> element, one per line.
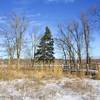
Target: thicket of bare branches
<point>14,33</point>
<point>75,41</point>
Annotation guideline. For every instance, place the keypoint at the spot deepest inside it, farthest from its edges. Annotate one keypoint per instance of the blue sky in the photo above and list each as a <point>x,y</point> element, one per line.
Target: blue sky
<point>49,12</point>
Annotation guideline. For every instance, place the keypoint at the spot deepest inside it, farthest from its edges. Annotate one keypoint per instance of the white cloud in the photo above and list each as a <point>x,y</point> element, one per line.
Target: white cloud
<point>28,2</point>
<point>66,1</point>
<point>33,15</point>
<point>2,19</point>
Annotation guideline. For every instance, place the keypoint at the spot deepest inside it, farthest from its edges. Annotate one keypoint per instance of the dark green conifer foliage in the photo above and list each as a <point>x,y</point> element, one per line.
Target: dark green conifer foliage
<point>45,51</point>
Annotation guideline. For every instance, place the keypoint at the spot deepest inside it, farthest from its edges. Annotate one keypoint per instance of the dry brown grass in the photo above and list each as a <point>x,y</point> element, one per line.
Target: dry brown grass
<point>14,73</point>
<point>82,87</point>
<point>80,75</point>
<point>98,75</point>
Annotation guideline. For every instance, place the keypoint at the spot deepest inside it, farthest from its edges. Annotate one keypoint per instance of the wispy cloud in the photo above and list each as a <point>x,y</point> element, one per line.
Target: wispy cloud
<point>2,19</point>
<point>21,2</point>
<point>66,1</point>
<point>33,15</point>
<point>28,2</point>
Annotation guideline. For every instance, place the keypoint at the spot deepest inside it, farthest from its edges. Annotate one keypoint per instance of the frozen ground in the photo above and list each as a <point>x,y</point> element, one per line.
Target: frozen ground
<point>50,89</point>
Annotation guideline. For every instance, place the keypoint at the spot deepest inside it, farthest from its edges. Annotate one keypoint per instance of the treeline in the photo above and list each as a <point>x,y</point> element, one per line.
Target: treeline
<point>73,40</point>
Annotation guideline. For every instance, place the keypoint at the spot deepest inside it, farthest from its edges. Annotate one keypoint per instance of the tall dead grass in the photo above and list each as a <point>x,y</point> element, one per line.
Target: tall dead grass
<point>81,87</point>
<point>14,73</point>
<point>98,75</point>
<point>38,73</point>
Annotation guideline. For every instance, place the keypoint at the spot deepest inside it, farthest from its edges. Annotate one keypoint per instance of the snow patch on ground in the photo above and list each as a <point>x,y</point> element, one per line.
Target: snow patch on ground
<point>47,89</point>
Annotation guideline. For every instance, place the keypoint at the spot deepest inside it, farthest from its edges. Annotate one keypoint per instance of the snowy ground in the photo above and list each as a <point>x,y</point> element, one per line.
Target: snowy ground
<point>50,89</point>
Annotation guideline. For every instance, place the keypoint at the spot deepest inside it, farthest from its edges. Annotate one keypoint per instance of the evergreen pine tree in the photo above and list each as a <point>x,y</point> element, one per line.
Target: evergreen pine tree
<point>45,51</point>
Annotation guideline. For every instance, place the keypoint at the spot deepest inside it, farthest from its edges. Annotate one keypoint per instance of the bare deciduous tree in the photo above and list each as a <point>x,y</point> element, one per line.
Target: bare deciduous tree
<point>14,34</point>
<point>61,46</point>
<point>86,36</point>
<point>19,27</point>
<point>9,44</point>
<point>67,43</point>
<point>33,47</point>
<point>77,38</point>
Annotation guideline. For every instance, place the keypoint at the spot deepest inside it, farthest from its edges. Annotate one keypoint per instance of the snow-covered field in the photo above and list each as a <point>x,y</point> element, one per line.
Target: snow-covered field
<point>50,89</point>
